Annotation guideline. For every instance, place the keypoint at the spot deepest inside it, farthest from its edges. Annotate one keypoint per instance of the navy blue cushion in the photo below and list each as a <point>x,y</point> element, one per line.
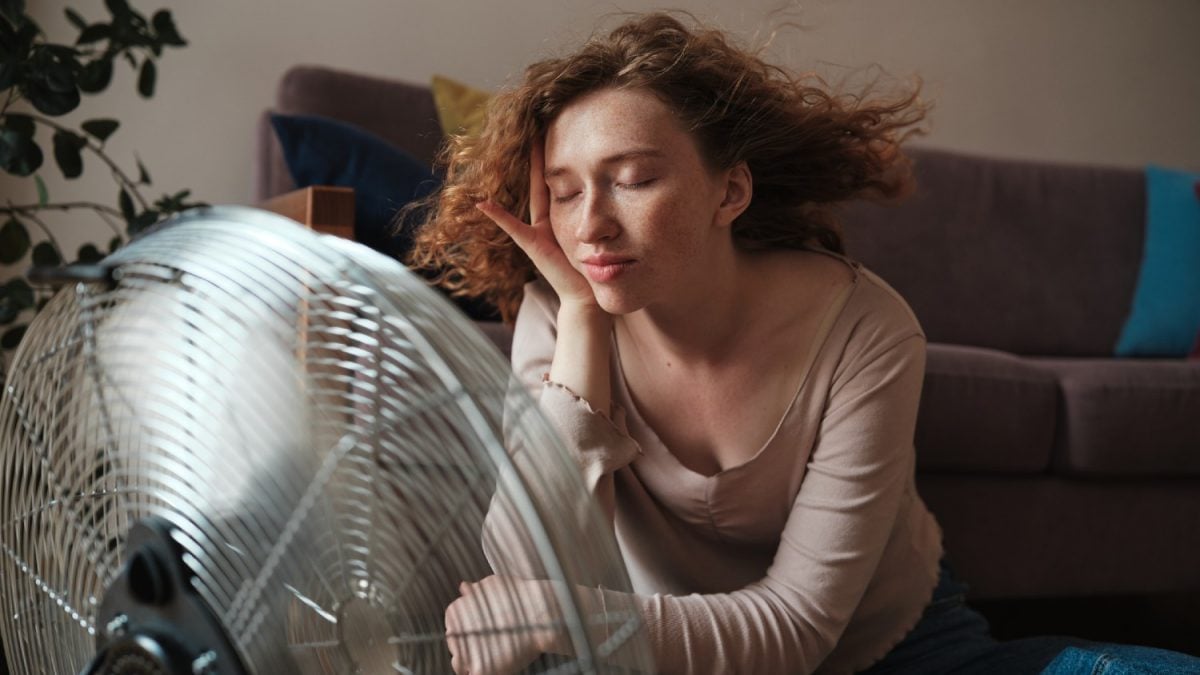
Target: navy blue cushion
<point>323,151</point>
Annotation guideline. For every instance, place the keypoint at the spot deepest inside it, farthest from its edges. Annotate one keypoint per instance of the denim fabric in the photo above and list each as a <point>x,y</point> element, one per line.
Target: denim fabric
<point>953,638</point>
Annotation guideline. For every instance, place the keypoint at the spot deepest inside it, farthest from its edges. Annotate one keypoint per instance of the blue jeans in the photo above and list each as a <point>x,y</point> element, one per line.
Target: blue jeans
<point>953,638</point>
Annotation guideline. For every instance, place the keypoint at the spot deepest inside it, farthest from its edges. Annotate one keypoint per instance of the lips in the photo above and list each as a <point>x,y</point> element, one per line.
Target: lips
<point>605,268</point>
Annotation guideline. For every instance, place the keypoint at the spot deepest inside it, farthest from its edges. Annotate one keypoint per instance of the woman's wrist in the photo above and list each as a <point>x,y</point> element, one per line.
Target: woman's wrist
<point>581,353</point>
<point>584,315</point>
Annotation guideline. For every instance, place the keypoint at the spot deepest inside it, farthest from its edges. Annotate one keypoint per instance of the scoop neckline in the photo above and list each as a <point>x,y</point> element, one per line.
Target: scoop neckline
<point>833,312</point>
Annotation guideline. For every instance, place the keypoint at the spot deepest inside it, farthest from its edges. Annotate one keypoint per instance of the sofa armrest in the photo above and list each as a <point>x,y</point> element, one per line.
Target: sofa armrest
<point>324,208</point>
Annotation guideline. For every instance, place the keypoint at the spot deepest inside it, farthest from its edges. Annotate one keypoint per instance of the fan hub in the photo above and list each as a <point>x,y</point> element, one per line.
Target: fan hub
<point>365,634</point>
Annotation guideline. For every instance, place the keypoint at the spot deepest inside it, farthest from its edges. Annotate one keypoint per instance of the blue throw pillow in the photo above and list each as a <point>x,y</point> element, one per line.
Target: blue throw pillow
<point>1165,318</point>
<point>322,151</point>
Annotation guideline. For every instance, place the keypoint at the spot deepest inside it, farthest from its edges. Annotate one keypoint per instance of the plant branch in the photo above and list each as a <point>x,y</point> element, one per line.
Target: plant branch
<point>111,225</point>
<point>102,210</point>
<point>99,152</point>
<point>59,206</point>
<point>12,98</point>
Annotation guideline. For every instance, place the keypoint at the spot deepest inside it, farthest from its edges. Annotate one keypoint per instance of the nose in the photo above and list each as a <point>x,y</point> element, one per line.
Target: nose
<point>597,221</point>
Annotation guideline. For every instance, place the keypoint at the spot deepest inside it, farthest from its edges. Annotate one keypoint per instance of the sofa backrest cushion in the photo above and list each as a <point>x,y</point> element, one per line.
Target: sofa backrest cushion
<point>1027,257</point>
<point>400,113</point>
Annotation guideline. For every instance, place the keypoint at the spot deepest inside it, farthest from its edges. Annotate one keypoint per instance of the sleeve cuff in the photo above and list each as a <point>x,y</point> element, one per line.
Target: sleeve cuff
<point>600,442</point>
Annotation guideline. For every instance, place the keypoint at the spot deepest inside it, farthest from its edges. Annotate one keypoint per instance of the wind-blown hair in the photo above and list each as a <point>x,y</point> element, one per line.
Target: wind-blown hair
<point>807,147</point>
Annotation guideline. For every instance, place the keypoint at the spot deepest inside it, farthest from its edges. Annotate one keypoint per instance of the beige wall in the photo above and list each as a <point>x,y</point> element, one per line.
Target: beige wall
<point>1111,81</point>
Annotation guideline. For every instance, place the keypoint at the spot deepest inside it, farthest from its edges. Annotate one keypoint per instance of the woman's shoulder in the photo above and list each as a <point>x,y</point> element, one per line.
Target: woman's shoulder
<point>877,302</point>
<point>861,297</point>
<point>872,317</point>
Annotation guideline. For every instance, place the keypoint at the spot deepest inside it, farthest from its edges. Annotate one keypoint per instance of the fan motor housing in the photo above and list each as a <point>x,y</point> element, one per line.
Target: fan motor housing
<point>153,620</point>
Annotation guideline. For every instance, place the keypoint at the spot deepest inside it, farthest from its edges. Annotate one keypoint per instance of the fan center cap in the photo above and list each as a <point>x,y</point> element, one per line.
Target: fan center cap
<point>366,633</point>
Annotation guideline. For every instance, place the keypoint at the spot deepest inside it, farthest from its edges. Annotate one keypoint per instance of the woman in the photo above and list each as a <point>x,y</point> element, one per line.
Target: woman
<point>741,397</point>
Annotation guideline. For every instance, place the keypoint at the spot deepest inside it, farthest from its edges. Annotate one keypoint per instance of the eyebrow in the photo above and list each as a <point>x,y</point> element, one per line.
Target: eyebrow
<point>636,153</point>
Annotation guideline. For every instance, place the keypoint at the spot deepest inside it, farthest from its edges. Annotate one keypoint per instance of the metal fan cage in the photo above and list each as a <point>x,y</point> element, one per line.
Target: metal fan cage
<point>325,436</point>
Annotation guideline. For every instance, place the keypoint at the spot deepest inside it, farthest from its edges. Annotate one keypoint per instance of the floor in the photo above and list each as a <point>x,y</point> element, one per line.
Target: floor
<point>1164,621</point>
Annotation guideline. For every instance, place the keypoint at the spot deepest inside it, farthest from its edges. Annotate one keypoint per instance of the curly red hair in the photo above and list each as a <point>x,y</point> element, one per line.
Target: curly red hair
<point>808,148</point>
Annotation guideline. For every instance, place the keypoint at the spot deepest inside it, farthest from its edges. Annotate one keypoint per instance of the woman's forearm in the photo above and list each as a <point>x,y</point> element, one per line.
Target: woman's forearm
<point>581,354</point>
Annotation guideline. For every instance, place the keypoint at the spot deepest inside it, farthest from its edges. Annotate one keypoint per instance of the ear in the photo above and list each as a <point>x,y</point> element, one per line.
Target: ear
<point>739,188</point>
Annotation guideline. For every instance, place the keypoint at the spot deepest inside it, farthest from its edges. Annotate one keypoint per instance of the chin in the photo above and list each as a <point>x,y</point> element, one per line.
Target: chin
<point>617,302</point>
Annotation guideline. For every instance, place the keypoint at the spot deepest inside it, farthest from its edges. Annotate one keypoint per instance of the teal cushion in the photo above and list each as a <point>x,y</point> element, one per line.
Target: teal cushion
<point>1165,317</point>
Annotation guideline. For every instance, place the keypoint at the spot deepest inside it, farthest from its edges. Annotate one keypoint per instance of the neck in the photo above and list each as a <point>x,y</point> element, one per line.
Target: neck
<point>701,325</point>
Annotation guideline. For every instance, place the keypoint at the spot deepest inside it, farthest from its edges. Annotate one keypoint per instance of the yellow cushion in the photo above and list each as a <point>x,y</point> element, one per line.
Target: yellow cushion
<point>460,107</point>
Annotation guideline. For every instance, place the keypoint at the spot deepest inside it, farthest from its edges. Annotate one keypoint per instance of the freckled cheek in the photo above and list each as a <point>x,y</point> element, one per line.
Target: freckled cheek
<point>671,218</point>
<point>563,232</point>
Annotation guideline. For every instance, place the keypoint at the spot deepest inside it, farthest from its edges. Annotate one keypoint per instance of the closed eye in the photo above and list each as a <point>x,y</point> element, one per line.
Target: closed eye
<point>636,186</point>
<point>565,198</point>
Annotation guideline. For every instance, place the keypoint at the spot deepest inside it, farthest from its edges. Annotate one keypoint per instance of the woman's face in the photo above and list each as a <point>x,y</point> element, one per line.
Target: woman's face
<point>632,203</point>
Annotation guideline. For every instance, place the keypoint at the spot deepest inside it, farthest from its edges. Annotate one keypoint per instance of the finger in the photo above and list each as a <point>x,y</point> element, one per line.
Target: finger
<point>519,231</point>
<point>539,192</point>
<point>464,588</point>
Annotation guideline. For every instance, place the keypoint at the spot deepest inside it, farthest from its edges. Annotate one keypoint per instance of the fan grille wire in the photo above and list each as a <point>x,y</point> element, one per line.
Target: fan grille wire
<point>326,436</point>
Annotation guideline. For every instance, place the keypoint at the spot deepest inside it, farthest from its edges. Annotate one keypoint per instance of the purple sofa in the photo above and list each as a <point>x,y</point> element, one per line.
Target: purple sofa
<point>1056,470</point>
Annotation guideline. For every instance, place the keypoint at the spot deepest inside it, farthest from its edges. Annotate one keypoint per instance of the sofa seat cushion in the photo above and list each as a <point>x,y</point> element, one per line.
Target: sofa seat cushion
<point>984,410</point>
<point>1128,417</point>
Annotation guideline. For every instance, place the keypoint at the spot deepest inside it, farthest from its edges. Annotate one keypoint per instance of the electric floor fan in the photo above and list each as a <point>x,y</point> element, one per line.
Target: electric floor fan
<point>238,446</point>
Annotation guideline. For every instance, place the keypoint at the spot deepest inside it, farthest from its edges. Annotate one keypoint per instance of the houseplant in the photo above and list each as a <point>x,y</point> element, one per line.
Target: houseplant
<point>41,81</point>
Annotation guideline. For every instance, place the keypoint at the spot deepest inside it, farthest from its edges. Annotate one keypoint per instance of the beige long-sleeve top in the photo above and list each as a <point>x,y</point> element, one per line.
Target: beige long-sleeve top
<point>815,555</point>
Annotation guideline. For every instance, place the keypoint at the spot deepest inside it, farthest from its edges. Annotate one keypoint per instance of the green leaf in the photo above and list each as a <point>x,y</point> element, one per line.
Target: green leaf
<point>43,193</point>
<point>75,19</point>
<point>118,8</point>
<point>48,100</point>
<point>8,77</point>
<point>12,337</point>
<point>13,10</point>
<point>144,219</point>
<point>88,253</point>
<point>19,155</point>
<point>146,79</point>
<point>26,33</point>
<point>22,125</point>
<point>126,204</point>
<point>164,26</point>
<point>96,75</point>
<point>15,297</point>
<point>143,175</point>
<point>20,293</point>
<point>55,67</point>
<point>14,241</point>
<point>45,255</point>
<point>101,129</point>
<point>66,152</point>
<point>114,244</point>
<point>94,33</point>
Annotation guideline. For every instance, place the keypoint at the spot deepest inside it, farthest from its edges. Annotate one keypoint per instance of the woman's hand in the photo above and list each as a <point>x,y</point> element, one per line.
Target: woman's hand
<point>581,349</point>
<point>537,238</point>
<point>499,625</point>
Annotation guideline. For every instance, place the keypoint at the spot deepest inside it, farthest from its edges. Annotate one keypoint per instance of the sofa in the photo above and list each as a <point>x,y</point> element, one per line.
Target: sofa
<point>1059,473</point>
